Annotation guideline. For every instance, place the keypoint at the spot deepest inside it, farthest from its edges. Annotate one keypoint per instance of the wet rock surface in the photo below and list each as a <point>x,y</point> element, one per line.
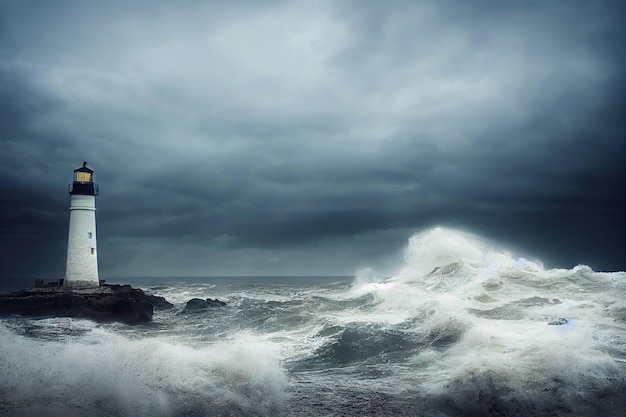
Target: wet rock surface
<point>121,303</point>
<point>199,304</point>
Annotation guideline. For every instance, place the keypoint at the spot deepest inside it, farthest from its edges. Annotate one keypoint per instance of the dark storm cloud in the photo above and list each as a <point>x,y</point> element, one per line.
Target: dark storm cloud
<point>255,138</point>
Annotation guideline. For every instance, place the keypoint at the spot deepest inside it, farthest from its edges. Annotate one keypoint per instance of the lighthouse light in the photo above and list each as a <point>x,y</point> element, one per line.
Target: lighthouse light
<point>83,176</point>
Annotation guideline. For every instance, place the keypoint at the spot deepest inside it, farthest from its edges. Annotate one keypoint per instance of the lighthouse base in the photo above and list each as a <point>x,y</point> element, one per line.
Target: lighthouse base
<point>80,285</point>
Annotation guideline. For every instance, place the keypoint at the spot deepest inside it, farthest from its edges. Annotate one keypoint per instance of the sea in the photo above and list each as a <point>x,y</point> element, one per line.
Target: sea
<point>463,328</point>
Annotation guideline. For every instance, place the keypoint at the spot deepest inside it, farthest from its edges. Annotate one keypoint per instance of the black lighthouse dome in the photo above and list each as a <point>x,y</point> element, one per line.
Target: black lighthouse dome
<point>83,182</point>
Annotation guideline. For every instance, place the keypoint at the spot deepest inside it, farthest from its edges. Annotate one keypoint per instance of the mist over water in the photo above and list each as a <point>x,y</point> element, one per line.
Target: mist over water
<point>462,329</point>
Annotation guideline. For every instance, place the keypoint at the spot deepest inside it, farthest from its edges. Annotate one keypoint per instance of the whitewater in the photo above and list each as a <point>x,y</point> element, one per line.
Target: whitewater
<point>464,328</point>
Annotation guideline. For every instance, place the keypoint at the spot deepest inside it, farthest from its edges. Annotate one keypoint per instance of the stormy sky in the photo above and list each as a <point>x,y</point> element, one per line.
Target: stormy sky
<point>312,137</point>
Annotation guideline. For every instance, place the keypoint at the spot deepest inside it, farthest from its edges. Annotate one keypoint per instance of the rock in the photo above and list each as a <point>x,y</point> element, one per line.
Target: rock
<point>198,304</point>
<point>215,303</point>
<point>105,303</point>
<point>126,291</point>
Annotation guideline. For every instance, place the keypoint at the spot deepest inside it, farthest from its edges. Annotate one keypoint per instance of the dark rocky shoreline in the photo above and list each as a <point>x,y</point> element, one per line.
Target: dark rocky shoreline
<point>108,302</point>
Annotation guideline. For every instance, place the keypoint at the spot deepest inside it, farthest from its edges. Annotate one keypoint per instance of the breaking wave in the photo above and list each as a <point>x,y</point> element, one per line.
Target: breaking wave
<point>494,334</point>
<point>99,373</point>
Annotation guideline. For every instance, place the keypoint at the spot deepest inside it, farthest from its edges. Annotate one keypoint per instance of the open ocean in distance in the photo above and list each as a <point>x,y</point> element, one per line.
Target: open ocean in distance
<point>461,330</point>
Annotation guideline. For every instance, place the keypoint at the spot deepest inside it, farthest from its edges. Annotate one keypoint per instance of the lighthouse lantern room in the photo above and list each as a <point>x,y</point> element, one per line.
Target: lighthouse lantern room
<point>82,256</point>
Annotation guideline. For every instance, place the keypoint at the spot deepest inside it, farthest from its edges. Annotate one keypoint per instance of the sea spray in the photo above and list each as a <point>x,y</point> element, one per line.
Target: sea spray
<point>102,373</point>
<point>505,358</point>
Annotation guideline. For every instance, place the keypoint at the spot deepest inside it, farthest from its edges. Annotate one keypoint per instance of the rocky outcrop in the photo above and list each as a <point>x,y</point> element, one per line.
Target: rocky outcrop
<point>198,304</point>
<point>126,291</point>
<point>105,303</point>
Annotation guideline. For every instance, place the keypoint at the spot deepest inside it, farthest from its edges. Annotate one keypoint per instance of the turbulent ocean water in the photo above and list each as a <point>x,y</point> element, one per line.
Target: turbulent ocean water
<point>463,329</point>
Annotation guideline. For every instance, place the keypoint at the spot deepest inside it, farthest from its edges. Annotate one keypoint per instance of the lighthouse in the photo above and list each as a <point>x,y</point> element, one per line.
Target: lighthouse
<point>81,269</point>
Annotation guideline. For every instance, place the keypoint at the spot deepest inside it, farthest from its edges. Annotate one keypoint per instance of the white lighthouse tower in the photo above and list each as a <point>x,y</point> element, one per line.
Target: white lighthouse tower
<point>82,256</point>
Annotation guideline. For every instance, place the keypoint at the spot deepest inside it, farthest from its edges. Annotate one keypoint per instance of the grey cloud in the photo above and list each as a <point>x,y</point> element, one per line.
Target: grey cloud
<point>296,131</point>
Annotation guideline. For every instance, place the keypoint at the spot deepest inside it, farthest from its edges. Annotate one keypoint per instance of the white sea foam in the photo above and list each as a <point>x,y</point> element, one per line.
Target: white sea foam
<point>102,373</point>
<point>503,304</point>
